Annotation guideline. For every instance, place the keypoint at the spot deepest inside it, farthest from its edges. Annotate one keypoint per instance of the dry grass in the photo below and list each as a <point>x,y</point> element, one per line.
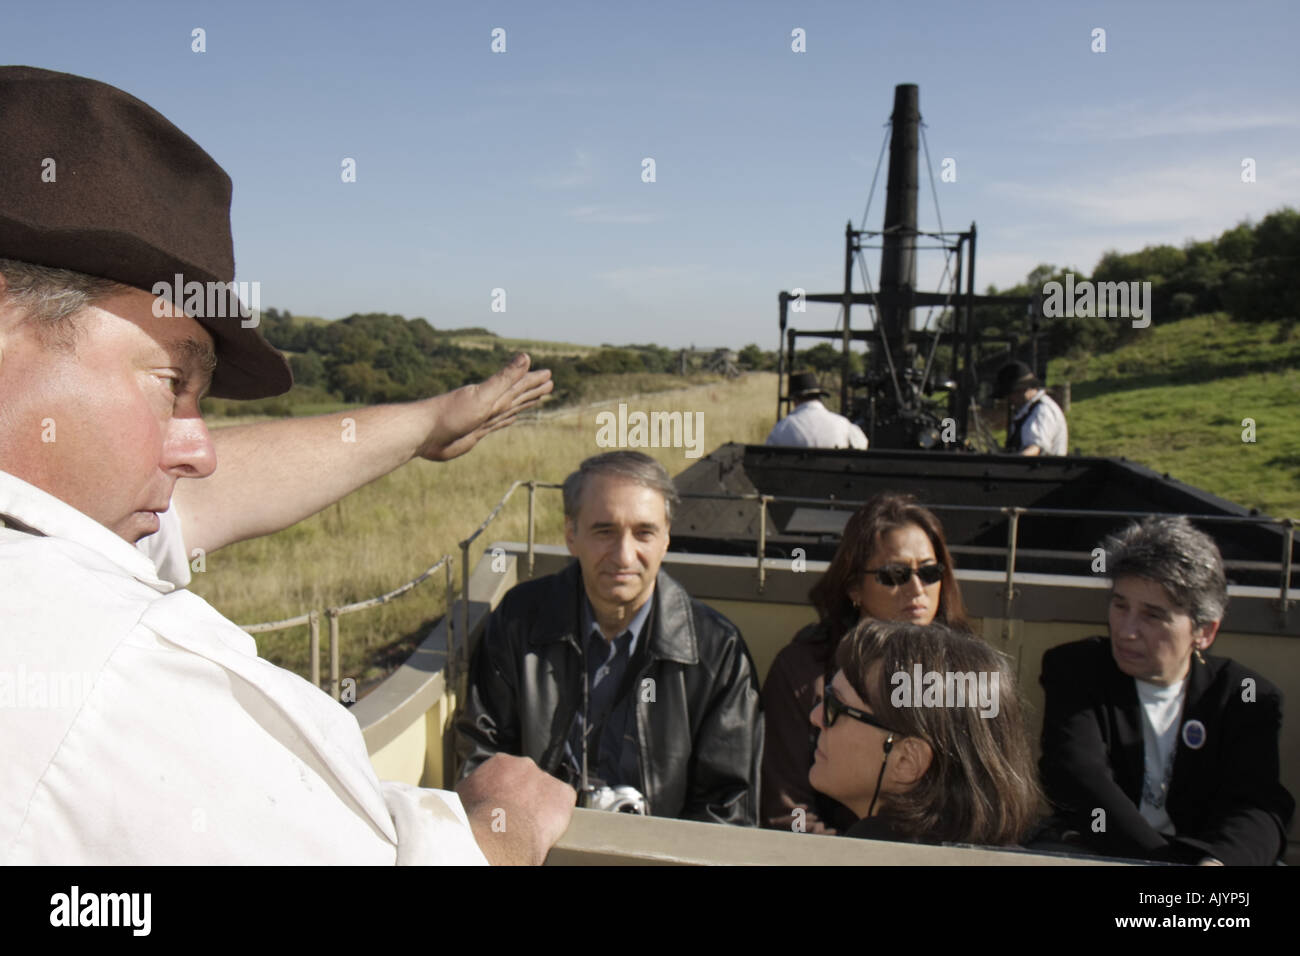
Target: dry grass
<point>388,532</point>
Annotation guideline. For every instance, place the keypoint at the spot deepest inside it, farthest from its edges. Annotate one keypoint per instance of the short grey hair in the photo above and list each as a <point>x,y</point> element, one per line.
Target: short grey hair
<point>49,298</point>
<point>631,465</point>
<point>1183,560</point>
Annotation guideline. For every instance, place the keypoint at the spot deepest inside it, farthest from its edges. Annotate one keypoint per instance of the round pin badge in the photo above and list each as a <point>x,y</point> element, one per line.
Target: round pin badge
<point>1194,734</point>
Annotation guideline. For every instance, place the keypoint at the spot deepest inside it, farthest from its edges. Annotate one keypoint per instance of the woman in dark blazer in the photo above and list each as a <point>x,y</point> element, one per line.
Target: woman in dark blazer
<point>1151,748</point>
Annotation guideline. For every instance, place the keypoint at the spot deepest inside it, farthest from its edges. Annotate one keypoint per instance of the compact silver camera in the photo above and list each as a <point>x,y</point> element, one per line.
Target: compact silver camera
<point>621,799</point>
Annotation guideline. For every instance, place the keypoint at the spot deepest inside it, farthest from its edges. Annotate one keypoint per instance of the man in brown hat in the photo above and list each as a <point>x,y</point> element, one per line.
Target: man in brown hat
<point>140,725</point>
<point>811,424</point>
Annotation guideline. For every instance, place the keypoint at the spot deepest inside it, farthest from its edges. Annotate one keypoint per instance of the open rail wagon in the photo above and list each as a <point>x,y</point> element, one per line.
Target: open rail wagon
<point>758,525</point>
<point>1021,531</point>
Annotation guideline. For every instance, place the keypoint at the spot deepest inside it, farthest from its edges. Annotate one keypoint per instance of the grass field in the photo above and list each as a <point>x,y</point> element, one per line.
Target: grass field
<point>391,530</point>
<point>537,349</point>
<point>1175,401</point>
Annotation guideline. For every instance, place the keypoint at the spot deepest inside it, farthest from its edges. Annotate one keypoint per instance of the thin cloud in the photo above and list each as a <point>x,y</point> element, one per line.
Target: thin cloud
<point>605,215</point>
<point>1141,120</point>
<point>655,277</point>
<point>1205,197</point>
<point>579,173</point>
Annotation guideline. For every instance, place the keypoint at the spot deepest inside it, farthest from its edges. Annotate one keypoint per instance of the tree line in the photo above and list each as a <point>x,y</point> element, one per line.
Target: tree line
<point>1251,272</point>
<point>377,357</point>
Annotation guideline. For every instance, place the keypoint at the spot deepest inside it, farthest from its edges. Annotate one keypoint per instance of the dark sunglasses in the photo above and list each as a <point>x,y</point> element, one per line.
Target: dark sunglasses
<point>893,575</point>
<point>832,707</point>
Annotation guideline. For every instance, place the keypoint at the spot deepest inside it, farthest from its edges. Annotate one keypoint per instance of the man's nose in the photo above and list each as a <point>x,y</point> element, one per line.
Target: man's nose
<point>626,550</point>
<point>189,451</point>
<point>815,716</point>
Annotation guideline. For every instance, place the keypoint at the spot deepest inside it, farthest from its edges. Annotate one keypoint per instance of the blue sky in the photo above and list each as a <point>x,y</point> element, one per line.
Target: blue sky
<point>522,170</point>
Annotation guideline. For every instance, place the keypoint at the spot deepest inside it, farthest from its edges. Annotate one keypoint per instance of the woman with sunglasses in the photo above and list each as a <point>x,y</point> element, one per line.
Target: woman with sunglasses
<point>960,771</point>
<point>892,564</point>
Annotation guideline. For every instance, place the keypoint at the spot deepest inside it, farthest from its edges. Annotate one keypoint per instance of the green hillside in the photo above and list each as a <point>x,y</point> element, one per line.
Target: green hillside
<point>1174,399</point>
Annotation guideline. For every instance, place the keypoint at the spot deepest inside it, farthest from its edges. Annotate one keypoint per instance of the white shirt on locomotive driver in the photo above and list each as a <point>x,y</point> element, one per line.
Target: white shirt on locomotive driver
<point>1045,425</point>
<point>813,425</point>
<point>141,727</point>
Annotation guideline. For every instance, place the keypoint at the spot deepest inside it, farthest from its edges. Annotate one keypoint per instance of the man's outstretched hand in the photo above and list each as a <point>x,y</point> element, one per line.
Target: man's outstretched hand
<point>460,418</point>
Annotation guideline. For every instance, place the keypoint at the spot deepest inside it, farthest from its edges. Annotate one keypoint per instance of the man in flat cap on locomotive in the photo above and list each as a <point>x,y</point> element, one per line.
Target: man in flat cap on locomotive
<point>180,744</point>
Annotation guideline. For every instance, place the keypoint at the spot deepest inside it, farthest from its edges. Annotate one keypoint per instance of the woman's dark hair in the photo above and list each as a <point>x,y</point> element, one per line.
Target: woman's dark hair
<point>981,786</point>
<point>884,513</point>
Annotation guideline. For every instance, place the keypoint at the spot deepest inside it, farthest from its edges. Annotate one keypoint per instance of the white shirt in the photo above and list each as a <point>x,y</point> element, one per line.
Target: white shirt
<point>813,425</point>
<point>1161,707</point>
<point>1044,425</point>
<point>166,549</point>
<point>141,727</point>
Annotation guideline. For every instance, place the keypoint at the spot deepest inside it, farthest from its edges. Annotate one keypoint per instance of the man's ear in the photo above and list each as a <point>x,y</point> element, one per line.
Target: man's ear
<point>914,759</point>
<point>570,534</point>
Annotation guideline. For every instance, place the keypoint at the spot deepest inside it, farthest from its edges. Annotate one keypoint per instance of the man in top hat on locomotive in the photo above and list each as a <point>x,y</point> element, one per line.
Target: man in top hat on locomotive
<point>1038,426</point>
<point>140,726</point>
<point>811,424</point>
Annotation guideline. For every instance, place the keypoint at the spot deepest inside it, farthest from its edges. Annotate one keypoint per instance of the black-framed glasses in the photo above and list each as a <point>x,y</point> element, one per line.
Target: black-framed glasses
<point>832,707</point>
<point>893,575</point>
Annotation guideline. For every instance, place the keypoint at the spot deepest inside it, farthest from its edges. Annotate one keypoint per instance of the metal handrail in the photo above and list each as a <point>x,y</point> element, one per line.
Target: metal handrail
<point>1288,537</point>
<point>334,613</point>
<point>1013,532</point>
<point>1013,513</point>
<point>1002,509</point>
<point>454,653</point>
<point>457,649</point>
<point>312,619</point>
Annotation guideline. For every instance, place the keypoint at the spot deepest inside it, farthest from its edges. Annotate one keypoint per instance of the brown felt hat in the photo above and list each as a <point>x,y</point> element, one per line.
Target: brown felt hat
<point>132,199</point>
<point>804,385</point>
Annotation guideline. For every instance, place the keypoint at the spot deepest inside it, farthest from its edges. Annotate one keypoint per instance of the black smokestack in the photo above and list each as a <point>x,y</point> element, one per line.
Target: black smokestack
<point>898,257</point>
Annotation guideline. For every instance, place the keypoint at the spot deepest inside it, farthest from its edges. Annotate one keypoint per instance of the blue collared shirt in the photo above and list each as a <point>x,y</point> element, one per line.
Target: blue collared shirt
<point>613,758</point>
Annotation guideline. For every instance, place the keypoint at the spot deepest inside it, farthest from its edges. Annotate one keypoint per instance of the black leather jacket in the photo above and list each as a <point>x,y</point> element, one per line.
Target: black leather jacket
<point>700,731</point>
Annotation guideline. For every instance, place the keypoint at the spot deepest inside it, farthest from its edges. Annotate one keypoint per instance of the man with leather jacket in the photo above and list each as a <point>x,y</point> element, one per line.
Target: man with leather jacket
<point>609,673</point>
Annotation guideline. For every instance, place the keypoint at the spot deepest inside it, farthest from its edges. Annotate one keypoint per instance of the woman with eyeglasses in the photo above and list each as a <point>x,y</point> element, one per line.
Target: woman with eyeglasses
<point>892,564</point>
<point>918,767</point>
